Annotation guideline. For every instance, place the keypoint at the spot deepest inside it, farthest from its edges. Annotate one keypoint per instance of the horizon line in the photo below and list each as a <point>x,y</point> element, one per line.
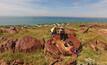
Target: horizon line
<point>57,16</point>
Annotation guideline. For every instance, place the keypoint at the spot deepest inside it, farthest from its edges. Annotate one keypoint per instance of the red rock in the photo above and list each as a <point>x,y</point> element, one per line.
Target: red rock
<point>82,25</point>
<point>75,41</point>
<point>9,45</point>
<point>71,31</point>
<point>19,62</point>
<point>12,30</point>
<point>97,45</point>
<point>2,62</point>
<point>28,43</point>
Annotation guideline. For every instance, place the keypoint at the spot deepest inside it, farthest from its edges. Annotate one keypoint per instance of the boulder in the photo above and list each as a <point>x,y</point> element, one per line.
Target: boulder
<point>28,44</point>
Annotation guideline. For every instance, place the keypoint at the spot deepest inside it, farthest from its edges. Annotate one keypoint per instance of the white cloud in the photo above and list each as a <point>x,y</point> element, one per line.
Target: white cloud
<point>98,9</point>
<point>8,9</point>
<point>25,8</point>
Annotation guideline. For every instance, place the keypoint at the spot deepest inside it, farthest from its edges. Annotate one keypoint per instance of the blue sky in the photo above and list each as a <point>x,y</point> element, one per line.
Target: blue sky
<point>73,8</point>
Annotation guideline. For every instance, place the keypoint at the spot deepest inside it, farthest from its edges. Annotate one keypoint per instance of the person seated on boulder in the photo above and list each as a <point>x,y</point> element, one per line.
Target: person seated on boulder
<point>59,31</point>
<point>63,35</point>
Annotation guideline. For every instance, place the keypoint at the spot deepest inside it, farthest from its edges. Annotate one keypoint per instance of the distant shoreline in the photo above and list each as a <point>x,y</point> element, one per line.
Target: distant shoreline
<point>48,20</point>
<point>52,24</point>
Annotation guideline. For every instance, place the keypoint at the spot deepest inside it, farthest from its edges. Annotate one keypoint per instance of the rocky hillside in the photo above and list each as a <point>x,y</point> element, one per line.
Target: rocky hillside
<point>24,45</point>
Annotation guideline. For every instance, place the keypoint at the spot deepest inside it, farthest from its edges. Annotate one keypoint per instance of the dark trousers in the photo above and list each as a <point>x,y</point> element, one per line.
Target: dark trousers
<point>63,36</point>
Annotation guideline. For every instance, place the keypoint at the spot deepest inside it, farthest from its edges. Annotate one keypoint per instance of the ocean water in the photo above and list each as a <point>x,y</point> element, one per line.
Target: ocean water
<point>46,20</point>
